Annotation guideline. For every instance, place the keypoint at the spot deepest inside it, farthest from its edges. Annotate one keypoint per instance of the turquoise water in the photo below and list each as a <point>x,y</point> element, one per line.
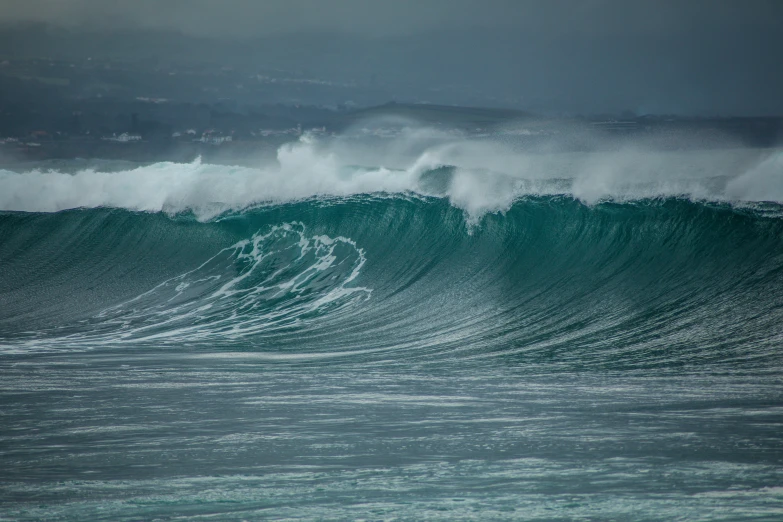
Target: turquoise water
<point>393,355</point>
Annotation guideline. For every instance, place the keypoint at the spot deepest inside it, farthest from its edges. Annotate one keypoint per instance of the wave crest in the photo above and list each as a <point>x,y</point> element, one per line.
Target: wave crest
<point>479,177</point>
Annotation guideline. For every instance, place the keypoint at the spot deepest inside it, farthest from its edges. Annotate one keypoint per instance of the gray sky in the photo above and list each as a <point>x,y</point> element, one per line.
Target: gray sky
<point>389,17</point>
<point>658,56</point>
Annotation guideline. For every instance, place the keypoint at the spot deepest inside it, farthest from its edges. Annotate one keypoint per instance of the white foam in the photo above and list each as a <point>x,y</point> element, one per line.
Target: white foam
<point>264,285</point>
<point>487,178</point>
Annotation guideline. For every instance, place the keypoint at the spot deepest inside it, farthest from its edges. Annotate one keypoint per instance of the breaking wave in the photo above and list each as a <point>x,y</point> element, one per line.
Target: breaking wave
<point>608,260</point>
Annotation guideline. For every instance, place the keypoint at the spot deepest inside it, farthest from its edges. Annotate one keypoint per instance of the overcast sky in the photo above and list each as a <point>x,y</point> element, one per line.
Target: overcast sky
<point>384,17</point>
<point>687,56</point>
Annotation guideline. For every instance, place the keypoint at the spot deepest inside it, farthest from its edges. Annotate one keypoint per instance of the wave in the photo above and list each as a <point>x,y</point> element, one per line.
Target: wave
<point>477,177</point>
<point>625,258</point>
<point>550,283</point>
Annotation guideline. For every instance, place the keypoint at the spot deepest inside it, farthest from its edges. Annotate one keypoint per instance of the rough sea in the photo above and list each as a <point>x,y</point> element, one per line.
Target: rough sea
<point>456,332</point>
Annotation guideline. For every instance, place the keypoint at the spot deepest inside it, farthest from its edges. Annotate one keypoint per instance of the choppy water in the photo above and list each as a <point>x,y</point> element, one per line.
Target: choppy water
<point>441,340</point>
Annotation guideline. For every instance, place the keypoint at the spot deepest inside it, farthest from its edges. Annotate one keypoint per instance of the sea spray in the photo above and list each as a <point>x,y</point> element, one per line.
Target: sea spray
<point>484,177</point>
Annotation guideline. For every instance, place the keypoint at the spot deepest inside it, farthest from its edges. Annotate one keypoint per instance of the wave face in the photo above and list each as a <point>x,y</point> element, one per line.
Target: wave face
<point>552,281</point>
<point>468,332</point>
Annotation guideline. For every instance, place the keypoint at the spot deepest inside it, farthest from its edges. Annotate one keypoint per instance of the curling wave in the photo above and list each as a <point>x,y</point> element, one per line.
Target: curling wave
<point>552,283</point>
<point>459,249</point>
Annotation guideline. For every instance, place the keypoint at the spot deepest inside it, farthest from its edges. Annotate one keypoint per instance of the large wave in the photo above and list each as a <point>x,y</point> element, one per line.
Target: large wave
<point>551,283</point>
<point>624,258</point>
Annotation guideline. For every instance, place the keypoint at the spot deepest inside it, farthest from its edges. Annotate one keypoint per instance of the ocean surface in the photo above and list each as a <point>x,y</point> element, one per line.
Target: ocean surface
<point>447,331</point>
